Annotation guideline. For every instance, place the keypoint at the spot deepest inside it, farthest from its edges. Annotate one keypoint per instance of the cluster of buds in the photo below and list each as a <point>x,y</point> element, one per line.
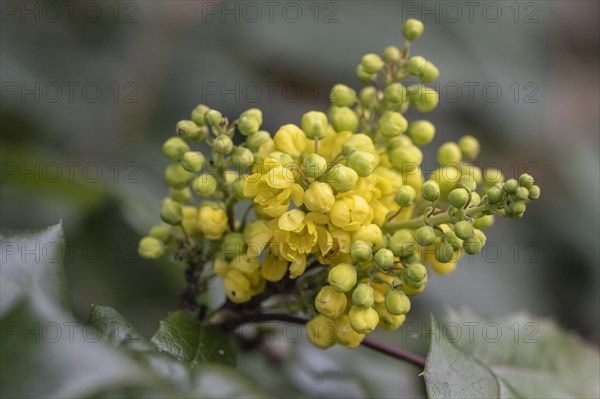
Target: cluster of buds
<point>338,205</point>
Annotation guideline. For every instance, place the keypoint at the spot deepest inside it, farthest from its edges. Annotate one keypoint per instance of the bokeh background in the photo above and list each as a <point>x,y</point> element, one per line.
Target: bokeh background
<point>90,90</point>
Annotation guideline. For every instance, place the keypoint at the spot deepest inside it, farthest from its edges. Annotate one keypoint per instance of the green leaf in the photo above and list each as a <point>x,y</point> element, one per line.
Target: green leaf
<point>531,354</point>
<point>32,261</point>
<point>191,341</point>
<point>451,373</point>
<point>116,329</point>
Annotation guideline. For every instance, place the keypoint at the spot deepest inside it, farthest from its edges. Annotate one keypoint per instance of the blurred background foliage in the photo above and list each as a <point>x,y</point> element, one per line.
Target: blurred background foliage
<point>92,157</point>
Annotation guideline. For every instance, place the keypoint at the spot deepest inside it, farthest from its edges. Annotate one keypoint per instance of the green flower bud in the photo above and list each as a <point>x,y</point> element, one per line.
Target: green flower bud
<point>534,192</point>
<point>242,157</point>
<point>212,117</point>
<point>371,63</point>
<point>510,187</point>
<point>416,64</point>
<point>407,158</point>
<point>171,212</point>
<point>342,96</point>
<point>222,144</point>
<point>363,295</point>
<point>522,193</point>
<point>464,229</point>
<point>341,178</point>
<point>162,232</point>
<point>480,236</point>
<point>314,124</point>
<point>453,240</point>
<point>484,222</point>
<point>330,302</point>
<point>458,197</point>
<point>180,194</point>
<point>405,195</point>
<point>516,208</point>
<point>233,245</point>
<point>449,153</point>
<point>363,320</point>
<point>384,258</point>
<point>364,76</point>
<point>472,245</point>
<point>253,113</point>
<point>174,148</point>
<point>425,236</point>
<point>187,129</point>
<point>492,176</point>
<point>424,99</point>
<point>421,132</point>
<point>198,114</point>
<point>430,191</point>
<point>342,277</point>
<point>444,252</point>
<point>402,243</point>
<point>526,180</point>
<point>467,182</point>
<point>361,251</point>
<point>392,124</point>
<point>204,185</point>
<point>283,158</point>
<point>151,248</point>
<point>368,97</point>
<point>314,165</point>
<point>192,161</point>
<point>391,54</point>
<point>412,29</point>
<point>397,302</point>
<point>429,73</point>
<point>343,119</point>
<point>415,275</point>
<point>257,139</point>
<point>469,147</point>
<point>494,195</point>
<point>248,125</point>
<point>362,162</point>
<point>176,176</point>
<point>358,141</point>
<point>395,93</point>
<point>447,177</point>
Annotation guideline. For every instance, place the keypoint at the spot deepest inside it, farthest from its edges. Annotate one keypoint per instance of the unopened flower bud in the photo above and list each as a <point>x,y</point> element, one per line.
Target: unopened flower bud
<point>464,230</point>
<point>363,295</point>
<point>204,185</point>
<point>494,195</point>
<point>342,178</point>
<point>343,119</point>
<point>187,129</point>
<point>253,113</point>
<point>212,221</point>
<point>319,197</point>
<point>522,193</point>
<point>430,191</point>
<point>361,251</point>
<point>392,124</point>
<point>534,192</point>
<point>402,243</point>
<point>257,139</point>
<point>421,132</point>
<point>468,183</point>
<point>458,197</point>
<point>526,180</point>
<point>429,73</point>
<point>174,148</point>
<point>391,54</point>
<point>242,157</point>
<point>342,96</point>
<point>363,320</point>
<point>358,141</point>
<point>342,277</point>
<point>510,186</point>
<point>176,176</point>
<point>449,153</point>
<point>395,94</point>
<point>425,236</point>
<point>469,147</point>
<point>384,258</point>
<point>222,144</point>
<point>198,114</point>
<point>180,194</point>
<point>192,161</point>
<point>412,29</point>
<point>319,331</point>
<point>405,195</point>
<point>484,222</point>
<point>492,176</point>
<point>248,125</point>
<point>416,64</point>
<point>330,302</point>
<point>151,248</point>
<point>371,63</point>
<point>212,117</point>
<point>171,212</point>
<point>368,97</point>
<point>424,99</point>
<point>472,245</point>
<point>362,162</point>
<point>517,207</point>
<point>444,252</point>
<point>314,165</point>
<point>314,124</point>
<point>363,75</point>
<point>396,302</point>
<point>453,240</point>
<point>162,232</point>
<point>233,245</point>
<point>415,275</point>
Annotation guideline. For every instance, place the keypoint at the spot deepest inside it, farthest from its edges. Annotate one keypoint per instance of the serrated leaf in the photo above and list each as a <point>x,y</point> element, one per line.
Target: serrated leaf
<point>32,261</point>
<point>451,373</point>
<point>191,341</point>
<point>531,354</point>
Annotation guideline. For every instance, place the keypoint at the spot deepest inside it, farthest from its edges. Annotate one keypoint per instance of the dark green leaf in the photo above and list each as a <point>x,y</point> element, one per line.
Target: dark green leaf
<point>116,329</point>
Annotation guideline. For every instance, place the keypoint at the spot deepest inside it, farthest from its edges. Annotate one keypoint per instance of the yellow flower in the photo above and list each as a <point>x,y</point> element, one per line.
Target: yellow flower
<point>290,139</point>
<point>256,235</point>
<point>274,268</point>
<point>330,303</point>
<point>272,187</point>
<point>212,221</point>
<point>387,320</point>
<point>319,197</point>
<point>321,331</point>
<point>345,334</point>
<point>350,212</point>
<point>330,146</point>
<point>189,222</point>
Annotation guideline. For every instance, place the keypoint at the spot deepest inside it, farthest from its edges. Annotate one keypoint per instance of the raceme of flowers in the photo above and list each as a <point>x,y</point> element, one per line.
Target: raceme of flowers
<point>339,200</point>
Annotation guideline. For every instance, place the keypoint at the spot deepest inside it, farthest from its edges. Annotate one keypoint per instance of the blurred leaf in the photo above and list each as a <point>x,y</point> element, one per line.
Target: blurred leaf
<point>188,340</point>
<point>116,329</point>
<point>451,373</point>
<point>32,261</point>
<point>533,355</point>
